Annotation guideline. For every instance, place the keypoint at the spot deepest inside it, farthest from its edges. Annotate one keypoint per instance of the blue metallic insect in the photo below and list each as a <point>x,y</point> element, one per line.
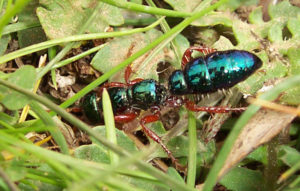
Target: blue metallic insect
<point>217,70</point>
<point>128,100</point>
<point>214,71</point>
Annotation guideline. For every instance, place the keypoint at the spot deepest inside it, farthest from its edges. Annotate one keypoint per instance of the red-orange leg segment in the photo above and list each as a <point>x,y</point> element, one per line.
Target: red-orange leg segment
<point>187,56</point>
<point>193,107</point>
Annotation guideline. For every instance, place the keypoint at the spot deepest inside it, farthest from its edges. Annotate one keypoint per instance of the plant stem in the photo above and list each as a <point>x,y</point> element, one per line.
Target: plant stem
<point>80,37</point>
<point>146,9</point>
<point>192,158</point>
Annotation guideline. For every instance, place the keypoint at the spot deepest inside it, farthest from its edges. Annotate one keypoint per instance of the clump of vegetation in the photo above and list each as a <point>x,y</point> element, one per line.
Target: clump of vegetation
<point>52,53</point>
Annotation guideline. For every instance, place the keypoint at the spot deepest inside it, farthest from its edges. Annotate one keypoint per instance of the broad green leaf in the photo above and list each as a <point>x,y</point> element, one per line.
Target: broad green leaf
<point>64,18</point>
<point>92,153</point>
<point>283,10</point>
<point>242,179</point>
<point>294,58</point>
<point>280,14</point>
<point>147,185</point>
<point>122,139</point>
<point>121,48</point>
<point>184,5</point>
<point>24,77</point>
<point>223,44</point>
<point>289,155</point>
<point>294,26</point>
<point>33,35</point>
<point>256,16</point>
<point>172,172</point>
<point>3,43</point>
<point>292,95</point>
<point>5,118</point>
<point>214,18</point>
<point>243,35</point>
<point>260,154</point>
<point>234,4</point>
<point>15,171</point>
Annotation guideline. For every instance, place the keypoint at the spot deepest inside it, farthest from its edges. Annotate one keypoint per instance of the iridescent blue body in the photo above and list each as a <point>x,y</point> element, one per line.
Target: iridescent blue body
<point>217,70</point>
<point>140,96</point>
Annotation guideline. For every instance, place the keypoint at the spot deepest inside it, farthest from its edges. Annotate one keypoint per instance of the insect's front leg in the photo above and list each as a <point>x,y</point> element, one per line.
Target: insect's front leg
<point>150,119</point>
<point>128,72</point>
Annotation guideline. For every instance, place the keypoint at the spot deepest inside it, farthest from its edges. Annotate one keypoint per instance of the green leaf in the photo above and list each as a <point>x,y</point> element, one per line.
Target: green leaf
<point>121,48</point>
<point>92,152</point>
<point>33,35</point>
<point>223,44</point>
<point>122,139</point>
<point>294,26</point>
<point>24,77</point>
<point>283,10</point>
<point>280,14</point>
<point>260,154</point>
<point>11,120</point>
<point>214,18</point>
<point>172,172</point>
<point>184,5</point>
<point>242,179</point>
<point>289,155</point>
<point>64,18</point>
<point>3,43</point>
<point>256,16</point>
<point>234,4</point>
<point>294,58</point>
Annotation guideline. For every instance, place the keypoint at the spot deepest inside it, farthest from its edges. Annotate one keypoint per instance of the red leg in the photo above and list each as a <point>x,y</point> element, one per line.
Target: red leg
<point>127,74</point>
<point>74,109</point>
<point>137,80</point>
<point>156,138</point>
<point>187,56</point>
<point>193,107</point>
<point>125,118</point>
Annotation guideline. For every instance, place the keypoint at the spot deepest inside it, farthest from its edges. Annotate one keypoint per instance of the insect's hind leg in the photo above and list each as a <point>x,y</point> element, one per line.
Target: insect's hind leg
<point>187,56</point>
<point>193,107</point>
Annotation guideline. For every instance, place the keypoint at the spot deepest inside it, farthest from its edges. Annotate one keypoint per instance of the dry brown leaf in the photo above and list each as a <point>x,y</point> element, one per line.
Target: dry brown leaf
<point>265,125</point>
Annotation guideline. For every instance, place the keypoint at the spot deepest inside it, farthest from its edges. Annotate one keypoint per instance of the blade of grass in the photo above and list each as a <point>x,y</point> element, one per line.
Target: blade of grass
<point>165,27</point>
<point>51,55</point>
<point>109,125</point>
<point>78,56</point>
<point>192,157</point>
<point>146,9</point>
<point>54,130</point>
<point>80,37</point>
<point>242,121</point>
<point>11,10</point>
<point>19,26</point>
